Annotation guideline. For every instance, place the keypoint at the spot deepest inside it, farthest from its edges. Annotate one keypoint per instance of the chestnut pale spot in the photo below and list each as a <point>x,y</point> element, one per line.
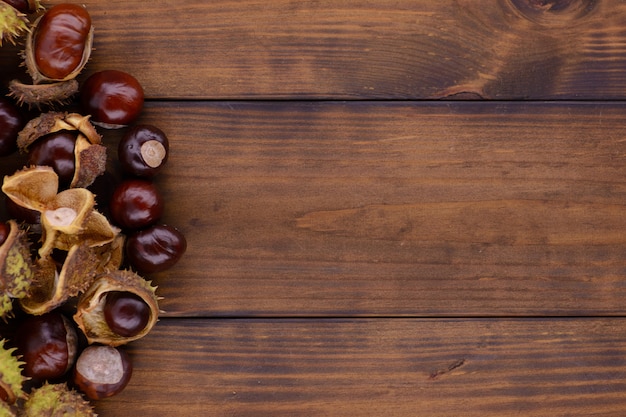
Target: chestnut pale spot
<point>153,153</point>
<point>63,216</point>
<point>102,366</point>
<point>102,371</point>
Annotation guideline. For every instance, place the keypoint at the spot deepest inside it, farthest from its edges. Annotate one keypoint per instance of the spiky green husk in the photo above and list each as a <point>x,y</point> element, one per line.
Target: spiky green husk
<point>16,269</point>
<point>13,24</point>
<point>56,400</point>
<point>6,306</point>
<point>11,378</point>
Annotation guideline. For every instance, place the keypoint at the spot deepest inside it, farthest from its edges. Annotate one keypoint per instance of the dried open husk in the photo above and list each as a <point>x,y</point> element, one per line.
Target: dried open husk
<point>90,310</point>
<point>81,266</point>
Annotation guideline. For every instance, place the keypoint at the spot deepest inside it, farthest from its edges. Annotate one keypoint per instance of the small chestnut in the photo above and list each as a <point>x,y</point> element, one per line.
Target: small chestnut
<point>22,214</point>
<point>48,345</point>
<point>11,122</point>
<point>143,150</point>
<point>56,150</point>
<point>155,249</point>
<point>113,98</point>
<point>102,371</point>
<point>4,232</point>
<point>60,39</point>
<point>136,203</point>
<point>22,6</point>
<point>126,313</point>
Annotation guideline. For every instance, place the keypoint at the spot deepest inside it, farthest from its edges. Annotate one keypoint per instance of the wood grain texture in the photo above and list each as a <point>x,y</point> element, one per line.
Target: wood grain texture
<point>353,253</point>
<point>401,49</point>
<point>440,209</point>
<point>557,367</point>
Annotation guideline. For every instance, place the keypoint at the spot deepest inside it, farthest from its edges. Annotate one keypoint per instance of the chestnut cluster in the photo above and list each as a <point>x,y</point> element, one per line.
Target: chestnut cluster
<point>80,240</point>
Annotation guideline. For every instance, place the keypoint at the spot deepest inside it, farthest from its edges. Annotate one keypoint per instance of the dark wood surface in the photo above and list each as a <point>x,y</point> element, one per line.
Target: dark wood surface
<point>385,215</point>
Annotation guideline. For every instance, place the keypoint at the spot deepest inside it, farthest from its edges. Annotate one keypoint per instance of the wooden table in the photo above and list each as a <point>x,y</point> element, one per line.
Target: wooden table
<point>393,208</point>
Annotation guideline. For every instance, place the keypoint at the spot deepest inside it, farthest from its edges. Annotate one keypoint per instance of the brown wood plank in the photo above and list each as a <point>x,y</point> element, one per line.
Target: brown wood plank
<point>509,49</point>
<point>440,209</point>
<point>556,367</point>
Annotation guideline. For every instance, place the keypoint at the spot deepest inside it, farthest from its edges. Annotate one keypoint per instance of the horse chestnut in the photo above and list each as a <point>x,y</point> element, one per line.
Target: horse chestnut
<point>22,214</point>
<point>102,371</point>
<point>155,249</point>
<point>24,6</point>
<point>113,98</point>
<point>56,150</point>
<point>48,345</point>
<point>11,122</point>
<point>136,203</point>
<point>4,232</point>
<point>126,313</point>
<point>143,150</point>
<point>60,39</point>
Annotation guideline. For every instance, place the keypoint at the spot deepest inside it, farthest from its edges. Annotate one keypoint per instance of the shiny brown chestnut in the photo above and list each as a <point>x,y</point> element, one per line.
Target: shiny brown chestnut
<point>60,39</point>
<point>11,122</point>
<point>136,203</point>
<point>155,249</point>
<point>22,214</point>
<point>48,344</point>
<point>143,151</point>
<point>102,371</point>
<point>4,232</point>
<point>113,98</point>
<point>56,150</point>
<point>126,313</point>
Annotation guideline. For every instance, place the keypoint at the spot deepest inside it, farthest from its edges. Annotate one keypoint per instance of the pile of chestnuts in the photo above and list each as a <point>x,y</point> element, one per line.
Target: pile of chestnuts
<point>83,230</point>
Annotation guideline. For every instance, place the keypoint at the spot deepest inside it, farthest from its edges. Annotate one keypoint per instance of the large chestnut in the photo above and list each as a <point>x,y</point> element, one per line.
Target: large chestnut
<point>113,98</point>
<point>56,150</point>
<point>102,371</point>
<point>155,249</point>
<point>11,122</point>
<point>143,150</point>
<point>60,39</point>
<point>135,204</point>
<point>47,344</point>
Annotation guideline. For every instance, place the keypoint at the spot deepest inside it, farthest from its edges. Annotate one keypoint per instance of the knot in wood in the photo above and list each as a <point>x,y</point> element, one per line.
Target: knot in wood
<point>554,12</point>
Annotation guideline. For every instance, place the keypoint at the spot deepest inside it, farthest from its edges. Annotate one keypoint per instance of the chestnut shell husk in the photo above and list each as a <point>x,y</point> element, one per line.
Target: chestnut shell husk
<point>17,272</point>
<point>11,377</point>
<point>56,400</point>
<point>90,308</point>
<point>13,23</point>
<point>69,224</point>
<point>39,95</point>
